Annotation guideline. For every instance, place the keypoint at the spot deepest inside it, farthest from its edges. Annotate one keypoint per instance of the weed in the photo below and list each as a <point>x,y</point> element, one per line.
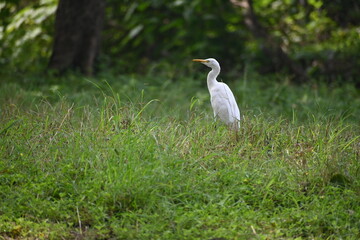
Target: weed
<point>142,160</point>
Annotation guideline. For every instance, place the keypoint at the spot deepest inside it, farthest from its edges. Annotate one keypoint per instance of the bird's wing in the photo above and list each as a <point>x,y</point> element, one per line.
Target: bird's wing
<point>234,109</point>
<point>224,104</point>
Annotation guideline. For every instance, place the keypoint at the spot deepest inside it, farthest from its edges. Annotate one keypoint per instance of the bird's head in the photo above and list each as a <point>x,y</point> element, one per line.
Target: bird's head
<point>210,62</point>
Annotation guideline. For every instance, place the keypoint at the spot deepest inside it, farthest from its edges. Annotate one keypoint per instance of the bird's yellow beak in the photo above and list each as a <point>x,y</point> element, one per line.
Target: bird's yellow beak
<point>200,60</point>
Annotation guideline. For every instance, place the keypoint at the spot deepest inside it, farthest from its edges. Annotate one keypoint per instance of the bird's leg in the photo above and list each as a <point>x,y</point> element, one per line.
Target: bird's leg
<point>234,131</point>
<point>237,136</point>
<point>233,137</point>
<point>215,118</point>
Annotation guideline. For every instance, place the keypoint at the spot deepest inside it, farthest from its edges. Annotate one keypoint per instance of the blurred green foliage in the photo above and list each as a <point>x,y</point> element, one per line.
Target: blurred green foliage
<point>321,35</point>
<point>141,31</point>
<point>26,34</point>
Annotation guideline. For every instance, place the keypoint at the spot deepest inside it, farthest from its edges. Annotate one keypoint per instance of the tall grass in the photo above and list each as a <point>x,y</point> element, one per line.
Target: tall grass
<point>135,158</point>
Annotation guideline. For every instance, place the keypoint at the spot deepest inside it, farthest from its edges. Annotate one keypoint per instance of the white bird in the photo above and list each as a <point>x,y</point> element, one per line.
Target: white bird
<point>222,99</point>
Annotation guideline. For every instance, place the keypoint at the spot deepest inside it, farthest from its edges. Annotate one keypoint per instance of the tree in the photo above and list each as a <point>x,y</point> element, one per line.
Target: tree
<point>271,46</point>
<point>78,26</point>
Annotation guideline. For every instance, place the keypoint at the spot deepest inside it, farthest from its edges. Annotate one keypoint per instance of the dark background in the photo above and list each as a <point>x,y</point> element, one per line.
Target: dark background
<point>302,39</point>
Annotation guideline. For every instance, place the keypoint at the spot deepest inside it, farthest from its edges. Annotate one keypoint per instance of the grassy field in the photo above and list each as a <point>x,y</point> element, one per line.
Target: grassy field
<point>141,158</point>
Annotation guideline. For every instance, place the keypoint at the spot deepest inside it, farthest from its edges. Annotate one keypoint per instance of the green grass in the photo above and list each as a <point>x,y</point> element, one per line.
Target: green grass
<point>141,158</point>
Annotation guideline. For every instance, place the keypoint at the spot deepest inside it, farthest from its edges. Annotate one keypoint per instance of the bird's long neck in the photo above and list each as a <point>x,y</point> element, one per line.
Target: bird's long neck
<point>211,77</point>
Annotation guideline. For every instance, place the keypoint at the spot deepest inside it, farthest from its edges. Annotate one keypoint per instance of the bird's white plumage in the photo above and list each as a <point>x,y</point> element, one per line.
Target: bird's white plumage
<point>223,101</point>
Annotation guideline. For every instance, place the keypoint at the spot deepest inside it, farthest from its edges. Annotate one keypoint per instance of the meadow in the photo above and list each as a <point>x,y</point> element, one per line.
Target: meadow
<point>140,157</point>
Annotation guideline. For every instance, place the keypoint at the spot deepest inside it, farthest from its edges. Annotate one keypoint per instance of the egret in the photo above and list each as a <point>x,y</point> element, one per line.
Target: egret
<point>222,99</point>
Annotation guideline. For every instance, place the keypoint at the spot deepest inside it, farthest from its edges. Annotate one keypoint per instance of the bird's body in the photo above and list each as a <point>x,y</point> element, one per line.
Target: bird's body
<point>223,101</point>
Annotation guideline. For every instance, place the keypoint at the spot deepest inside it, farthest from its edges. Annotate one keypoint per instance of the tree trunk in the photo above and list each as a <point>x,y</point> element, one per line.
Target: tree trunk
<point>78,26</point>
<point>272,48</point>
